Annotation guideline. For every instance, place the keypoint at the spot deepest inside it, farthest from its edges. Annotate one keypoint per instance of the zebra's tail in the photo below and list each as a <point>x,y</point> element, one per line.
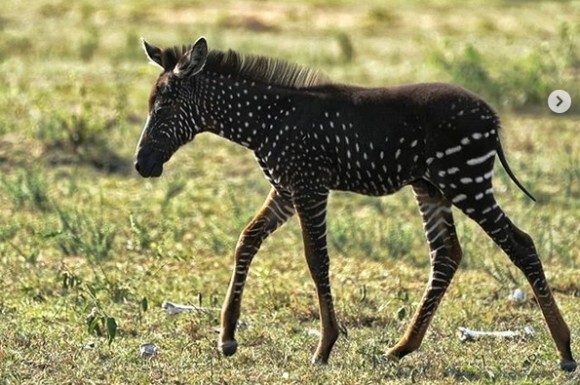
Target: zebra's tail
<point>504,163</point>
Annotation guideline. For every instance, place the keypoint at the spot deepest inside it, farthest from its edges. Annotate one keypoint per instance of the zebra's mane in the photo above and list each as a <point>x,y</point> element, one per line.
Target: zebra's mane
<point>256,68</point>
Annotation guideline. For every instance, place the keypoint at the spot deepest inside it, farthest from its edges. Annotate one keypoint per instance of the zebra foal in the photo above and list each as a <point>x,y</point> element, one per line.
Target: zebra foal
<point>311,136</point>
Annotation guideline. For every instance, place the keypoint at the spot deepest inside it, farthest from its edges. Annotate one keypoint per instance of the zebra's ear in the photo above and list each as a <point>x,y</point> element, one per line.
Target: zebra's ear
<point>153,53</point>
<point>192,61</point>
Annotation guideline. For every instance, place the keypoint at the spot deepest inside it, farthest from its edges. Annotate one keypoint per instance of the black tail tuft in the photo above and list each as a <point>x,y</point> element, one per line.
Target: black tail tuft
<point>504,163</point>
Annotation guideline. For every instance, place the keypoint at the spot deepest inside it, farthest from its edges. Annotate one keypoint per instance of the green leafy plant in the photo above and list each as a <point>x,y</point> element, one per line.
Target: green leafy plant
<point>100,324</point>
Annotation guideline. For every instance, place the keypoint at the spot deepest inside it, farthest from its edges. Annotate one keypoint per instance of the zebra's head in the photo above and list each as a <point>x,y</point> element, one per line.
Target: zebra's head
<point>171,121</point>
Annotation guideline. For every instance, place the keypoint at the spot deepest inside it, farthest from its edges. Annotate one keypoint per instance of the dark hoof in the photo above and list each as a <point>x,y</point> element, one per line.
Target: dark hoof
<point>229,348</point>
<point>318,361</point>
<point>396,353</point>
<point>392,358</point>
<point>568,365</point>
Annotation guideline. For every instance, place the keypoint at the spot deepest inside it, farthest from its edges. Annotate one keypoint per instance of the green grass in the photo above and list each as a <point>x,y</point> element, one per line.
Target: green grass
<point>89,251</point>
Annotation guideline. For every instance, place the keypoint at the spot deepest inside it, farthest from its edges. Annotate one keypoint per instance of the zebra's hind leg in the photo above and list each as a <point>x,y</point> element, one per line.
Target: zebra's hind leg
<point>445,254</point>
<point>519,247</point>
<point>273,214</point>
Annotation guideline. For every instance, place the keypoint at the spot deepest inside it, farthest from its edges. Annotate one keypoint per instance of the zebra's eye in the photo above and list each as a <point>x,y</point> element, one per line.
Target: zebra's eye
<point>160,106</point>
<point>164,103</point>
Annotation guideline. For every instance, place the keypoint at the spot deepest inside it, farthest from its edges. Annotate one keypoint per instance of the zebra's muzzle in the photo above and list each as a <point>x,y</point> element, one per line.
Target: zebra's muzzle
<point>149,163</point>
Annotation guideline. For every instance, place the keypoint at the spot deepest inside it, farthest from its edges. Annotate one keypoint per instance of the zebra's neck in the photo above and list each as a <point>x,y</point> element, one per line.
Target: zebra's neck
<point>240,110</point>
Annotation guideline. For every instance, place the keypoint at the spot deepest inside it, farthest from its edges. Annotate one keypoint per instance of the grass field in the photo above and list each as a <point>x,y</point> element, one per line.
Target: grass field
<point>89,250</point>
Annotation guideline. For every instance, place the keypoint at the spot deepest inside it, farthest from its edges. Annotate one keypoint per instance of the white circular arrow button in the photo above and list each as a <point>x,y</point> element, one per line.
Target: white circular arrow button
<point>559,101</point>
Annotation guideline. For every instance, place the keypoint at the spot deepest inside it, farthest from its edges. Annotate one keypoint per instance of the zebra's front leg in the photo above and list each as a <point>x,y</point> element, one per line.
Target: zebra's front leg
<point>445,253</point>
<point>311,209</point>
<point>275,212</point>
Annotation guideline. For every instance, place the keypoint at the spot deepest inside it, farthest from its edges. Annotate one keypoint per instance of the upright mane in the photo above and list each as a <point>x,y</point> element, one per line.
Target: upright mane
<point>264,69</point>
<point>256,68</point>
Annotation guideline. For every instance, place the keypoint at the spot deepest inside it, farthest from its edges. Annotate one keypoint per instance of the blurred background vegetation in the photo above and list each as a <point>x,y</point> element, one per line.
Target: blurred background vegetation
<point>89,251</point>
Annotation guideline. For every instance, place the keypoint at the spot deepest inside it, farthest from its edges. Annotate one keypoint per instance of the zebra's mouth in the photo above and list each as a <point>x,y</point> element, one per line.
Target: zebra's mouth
<point>149,163</point>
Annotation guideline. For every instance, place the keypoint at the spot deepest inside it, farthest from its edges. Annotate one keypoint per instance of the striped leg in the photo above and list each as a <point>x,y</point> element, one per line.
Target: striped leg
<point>445,254</point>
<point>521,250</point>
<point>274,213</point>
<point>311,209</point>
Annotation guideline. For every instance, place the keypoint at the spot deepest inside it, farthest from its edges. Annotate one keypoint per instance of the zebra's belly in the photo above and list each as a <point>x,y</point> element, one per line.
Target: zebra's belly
<point>375,182</point>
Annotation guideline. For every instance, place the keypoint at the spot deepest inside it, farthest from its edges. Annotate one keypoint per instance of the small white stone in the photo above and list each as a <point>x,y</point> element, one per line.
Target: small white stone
<point>148,350</point>
<point>518,295</point>
<point>313,333</point>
